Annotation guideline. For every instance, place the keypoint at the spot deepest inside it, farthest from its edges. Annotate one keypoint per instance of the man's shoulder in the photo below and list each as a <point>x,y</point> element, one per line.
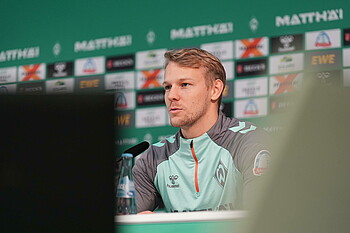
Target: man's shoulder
<point>162,149</point>
<point>232,125</point>
<point>232,131</point>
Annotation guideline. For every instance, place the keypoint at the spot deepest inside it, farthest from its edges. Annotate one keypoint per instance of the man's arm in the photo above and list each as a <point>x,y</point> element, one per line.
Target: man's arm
<point>147,196</point>
<point>252,160</point>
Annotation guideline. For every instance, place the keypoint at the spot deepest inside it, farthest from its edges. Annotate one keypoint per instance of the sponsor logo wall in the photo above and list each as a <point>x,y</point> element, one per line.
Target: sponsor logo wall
<point>261,71</point>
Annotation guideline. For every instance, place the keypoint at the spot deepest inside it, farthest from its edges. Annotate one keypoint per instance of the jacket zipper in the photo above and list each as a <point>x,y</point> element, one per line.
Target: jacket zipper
<point>196,167</point>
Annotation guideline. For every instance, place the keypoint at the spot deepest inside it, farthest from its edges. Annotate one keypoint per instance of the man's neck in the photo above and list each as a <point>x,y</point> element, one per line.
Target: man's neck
<point>200,127</point>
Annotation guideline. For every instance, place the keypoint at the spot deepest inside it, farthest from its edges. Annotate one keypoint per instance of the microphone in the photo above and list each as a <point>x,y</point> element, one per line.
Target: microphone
<point>136,150</point>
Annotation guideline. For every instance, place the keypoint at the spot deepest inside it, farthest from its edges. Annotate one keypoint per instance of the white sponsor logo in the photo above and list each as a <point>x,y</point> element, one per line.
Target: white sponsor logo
<point>18,54</point>
<point>8,75</point>
<point>148,117</point>
<point>261,162</point>
<point>150,59</point>
<point>221,50</point>
<point>254,24</point>
<point>346,57</point>
<point>273,129</point>
<point>323,39</point>
<point>8,89</point>
<point>250,87</point>
<point>56,49</point>
<point>126,141</point>
<point>32,72</point>
<point>286,41</point>
<point>286,63</point>
<point>150,78</point>
<point>151,37</point>
<point>309,17</point>
<point>251,108</point>
<point>60,86</point>
<point>102,43</point>
<point>120,81</point>
<point>229,68</point>
<point>346,78</point>
<point>285,83</point>
<point>125,100</point>
<point>89,66</point>
<point>201,31</point>
<point>150,98</point>
<point>60,69</point>
<point>252,47</point>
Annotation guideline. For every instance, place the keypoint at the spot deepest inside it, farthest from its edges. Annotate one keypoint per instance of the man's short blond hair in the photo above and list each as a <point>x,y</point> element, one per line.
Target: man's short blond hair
<point>197,58</point>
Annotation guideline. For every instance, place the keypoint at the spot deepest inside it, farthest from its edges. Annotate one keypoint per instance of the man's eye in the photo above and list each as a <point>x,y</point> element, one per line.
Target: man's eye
<point>185,84</point>
<point>167,87</point>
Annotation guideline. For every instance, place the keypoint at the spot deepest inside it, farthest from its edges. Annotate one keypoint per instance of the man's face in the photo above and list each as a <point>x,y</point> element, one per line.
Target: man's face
<point>186,95</point>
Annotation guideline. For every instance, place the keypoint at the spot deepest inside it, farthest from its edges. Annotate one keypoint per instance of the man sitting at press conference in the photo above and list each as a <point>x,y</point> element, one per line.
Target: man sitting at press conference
<point>213,162</point>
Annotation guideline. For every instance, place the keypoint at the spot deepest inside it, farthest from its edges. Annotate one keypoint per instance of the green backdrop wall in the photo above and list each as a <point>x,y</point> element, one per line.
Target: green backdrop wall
<point>116,47</point>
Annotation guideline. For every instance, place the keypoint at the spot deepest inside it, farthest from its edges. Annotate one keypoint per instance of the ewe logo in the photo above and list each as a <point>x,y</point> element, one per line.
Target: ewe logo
<point>125,119</point>
<point>328,60</point>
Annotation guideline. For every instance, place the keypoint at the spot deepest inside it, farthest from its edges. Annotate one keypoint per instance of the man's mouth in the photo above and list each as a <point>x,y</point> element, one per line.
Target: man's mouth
<point>174,109</point>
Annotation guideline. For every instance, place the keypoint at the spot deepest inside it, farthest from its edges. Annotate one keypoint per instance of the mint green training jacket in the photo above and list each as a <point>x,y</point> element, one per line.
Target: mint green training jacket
<point>215,171</point>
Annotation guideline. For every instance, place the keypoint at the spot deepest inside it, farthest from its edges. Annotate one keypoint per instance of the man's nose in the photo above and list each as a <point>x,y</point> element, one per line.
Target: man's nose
<point>173,94</point>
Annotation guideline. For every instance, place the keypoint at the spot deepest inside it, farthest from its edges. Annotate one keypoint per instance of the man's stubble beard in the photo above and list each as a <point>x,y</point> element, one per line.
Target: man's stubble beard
<point>188,121</point>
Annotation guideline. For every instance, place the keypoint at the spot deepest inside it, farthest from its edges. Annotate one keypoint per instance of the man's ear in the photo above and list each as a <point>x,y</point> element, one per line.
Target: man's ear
<point>217,89</point>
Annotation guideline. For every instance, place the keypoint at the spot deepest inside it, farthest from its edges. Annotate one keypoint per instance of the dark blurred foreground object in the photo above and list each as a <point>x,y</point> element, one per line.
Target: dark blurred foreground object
<point>307,189</point>
<point>57,164</point>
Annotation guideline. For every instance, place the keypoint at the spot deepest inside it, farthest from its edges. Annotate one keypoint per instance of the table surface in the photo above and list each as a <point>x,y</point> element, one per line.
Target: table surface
<point>203,222</point>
